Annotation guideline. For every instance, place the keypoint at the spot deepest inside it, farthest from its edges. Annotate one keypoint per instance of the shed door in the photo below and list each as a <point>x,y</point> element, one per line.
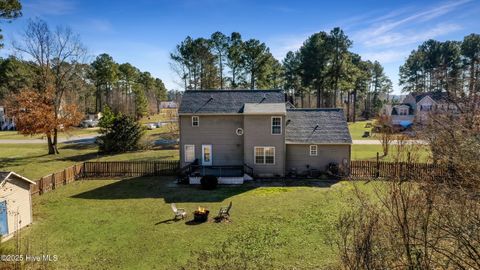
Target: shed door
<point>3,218</point>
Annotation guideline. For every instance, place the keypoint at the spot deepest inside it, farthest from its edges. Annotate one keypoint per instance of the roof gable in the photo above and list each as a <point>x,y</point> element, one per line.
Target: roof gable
<point>434,96</point>
<point>4,176</point>
<point>225,101</point>
<point>317,126</point>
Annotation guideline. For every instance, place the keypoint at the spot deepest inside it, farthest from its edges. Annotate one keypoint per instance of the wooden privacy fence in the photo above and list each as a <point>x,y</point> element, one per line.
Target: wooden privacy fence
<point>51,181</point>
<point>130,168</point>
<point>104,169</point>
<point>359,169</point>
<point>363,169</point>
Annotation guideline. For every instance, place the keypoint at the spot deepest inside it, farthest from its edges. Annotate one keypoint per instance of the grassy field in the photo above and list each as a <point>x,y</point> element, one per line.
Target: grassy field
<point>14,135</point>
<point>358,128</point>
<point>31,160</point>
<point>369,152</point>
<point>126,224</point>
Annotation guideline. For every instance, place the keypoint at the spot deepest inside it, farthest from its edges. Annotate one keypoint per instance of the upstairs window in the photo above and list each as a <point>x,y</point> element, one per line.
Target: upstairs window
<point>264,155</point>
<point>276,125</point>
<point>195,121</point>
<point>313,150</point>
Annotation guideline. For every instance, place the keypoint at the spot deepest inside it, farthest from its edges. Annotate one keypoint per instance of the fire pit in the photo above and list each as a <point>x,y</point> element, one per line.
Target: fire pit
<point>200,215</point>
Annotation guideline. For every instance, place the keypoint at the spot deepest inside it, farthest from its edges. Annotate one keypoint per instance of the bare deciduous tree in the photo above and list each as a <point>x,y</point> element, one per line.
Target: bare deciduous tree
<point>58,55</point>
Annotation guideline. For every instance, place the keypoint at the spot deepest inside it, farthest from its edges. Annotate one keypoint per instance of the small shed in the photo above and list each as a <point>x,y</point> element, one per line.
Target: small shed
<point>15,203</point>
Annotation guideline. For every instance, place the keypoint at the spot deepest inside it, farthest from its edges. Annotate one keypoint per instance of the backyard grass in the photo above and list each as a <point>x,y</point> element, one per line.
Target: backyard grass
<point>126,224</point>
<point>369,152</point>
<point>358,128</point>
<point>32,161</point>
<point>14,135</point>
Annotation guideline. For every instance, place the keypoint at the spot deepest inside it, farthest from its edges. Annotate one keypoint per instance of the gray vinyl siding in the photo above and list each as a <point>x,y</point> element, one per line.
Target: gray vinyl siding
<point>258,133</point>
<point>216,130</point>
<point>298,156</point>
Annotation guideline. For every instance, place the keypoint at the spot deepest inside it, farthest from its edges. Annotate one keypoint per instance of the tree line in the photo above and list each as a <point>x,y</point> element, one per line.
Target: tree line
<point>323,68</point>
<point>225,62</point>
<point>448,66</point>
<point>55,86</point>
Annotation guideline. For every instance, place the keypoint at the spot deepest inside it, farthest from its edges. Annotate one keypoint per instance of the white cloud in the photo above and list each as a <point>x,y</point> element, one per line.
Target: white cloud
<point>411,36</point>
<point>100,25</point>
<point>385,56</point>
<point>402,28</point>
<point>279,46</point>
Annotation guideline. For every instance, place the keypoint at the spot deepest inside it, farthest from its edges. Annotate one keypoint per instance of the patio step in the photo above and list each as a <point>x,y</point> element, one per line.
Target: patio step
<point>227,180</point>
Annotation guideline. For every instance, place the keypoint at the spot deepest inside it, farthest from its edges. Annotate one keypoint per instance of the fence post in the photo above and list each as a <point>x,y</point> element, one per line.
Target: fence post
<point>377,174</point>
<point>40,186</point>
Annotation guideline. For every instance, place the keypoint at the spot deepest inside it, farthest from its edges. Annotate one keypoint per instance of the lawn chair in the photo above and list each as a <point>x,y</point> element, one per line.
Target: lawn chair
<point>225,211</point>
<point>179,212</point>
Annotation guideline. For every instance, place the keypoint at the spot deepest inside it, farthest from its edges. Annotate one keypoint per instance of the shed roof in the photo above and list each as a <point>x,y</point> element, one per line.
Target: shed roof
<point>225,101</point>
<point>265,108</point>
<point>6,175</point>
<point>317,126</point>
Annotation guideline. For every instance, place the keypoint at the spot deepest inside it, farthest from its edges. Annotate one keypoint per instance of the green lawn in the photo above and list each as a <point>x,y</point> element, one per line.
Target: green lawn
<point>31,160</point>
<point>126,224</point>
<point>358,128</point>
<point>369,152</point>
<point>14,135</point>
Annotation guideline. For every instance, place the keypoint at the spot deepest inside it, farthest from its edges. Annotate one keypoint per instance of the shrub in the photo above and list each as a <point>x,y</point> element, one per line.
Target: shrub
<point>122,135</point>
<point>333,168</point>
<point>209,182</point>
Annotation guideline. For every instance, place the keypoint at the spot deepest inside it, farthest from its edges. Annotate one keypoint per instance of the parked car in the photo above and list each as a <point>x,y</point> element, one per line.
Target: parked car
<point>151,126</point>
<point>89,123</point>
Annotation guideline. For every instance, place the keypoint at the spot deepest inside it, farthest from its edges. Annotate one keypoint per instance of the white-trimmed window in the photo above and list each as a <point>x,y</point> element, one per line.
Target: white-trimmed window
<point>276,125</point>
<point>313,150</point>
<point>189,152</point>
<point>402,111</point>
<point>195,121</point>
<point>264,155</point>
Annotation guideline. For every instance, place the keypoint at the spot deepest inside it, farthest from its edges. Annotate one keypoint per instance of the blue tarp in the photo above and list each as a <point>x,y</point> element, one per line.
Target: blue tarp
<point>405,123</point>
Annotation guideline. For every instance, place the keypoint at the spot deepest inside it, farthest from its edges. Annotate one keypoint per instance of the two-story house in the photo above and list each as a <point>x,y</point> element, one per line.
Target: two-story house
<point>239,134</point>
<point>416,108</point>
<point>6,123</point>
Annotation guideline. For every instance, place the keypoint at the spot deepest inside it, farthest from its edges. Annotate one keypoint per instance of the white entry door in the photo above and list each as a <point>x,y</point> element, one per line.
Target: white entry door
<point>207,154</point>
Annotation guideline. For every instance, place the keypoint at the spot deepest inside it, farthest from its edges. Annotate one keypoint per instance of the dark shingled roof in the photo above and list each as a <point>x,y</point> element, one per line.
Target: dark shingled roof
<point>319,126</point>
<point>226,101</point>
<point>436,96</point>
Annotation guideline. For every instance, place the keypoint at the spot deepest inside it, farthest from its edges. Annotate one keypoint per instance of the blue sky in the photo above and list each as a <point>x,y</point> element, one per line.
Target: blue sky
<point>144,32</point>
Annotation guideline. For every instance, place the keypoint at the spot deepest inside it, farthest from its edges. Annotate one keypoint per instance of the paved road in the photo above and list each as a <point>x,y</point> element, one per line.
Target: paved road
<point>72,140</point>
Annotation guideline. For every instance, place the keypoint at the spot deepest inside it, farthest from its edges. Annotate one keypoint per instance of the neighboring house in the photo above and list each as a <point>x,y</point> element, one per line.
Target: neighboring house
<point>6,123</point>
<point>236,134</point>
<point>416,108</point>
<point>168,105</point>
<point>15,203</point>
